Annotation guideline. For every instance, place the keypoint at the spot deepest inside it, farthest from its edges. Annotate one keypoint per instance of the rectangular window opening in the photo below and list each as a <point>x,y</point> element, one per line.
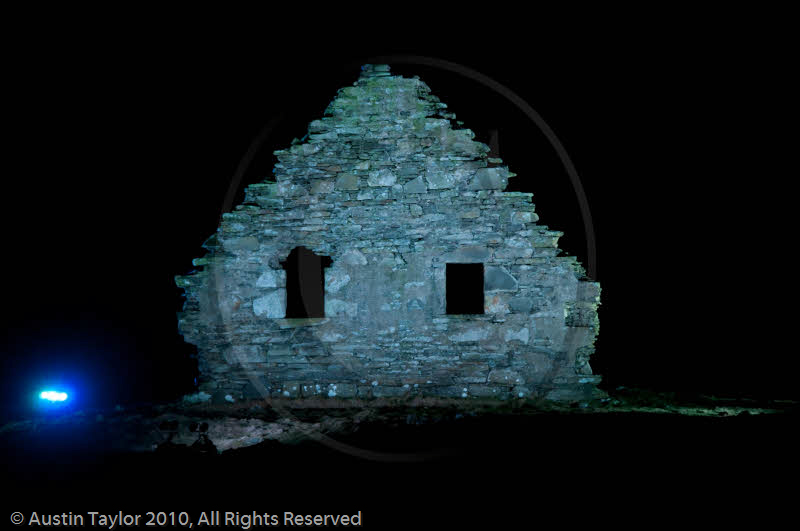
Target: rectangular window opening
<point>305,283</point>
<point>464,289</point>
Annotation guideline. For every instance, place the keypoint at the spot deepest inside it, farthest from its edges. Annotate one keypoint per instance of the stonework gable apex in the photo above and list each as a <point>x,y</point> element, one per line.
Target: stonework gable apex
<point>400,118</point>
<point>413,272</point>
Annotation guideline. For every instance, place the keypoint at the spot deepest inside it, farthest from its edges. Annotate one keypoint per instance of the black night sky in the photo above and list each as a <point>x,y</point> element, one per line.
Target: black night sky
<point>120,153</point>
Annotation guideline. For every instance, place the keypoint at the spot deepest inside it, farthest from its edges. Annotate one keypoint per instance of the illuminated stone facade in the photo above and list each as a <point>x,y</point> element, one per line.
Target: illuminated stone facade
<point>386,188</point>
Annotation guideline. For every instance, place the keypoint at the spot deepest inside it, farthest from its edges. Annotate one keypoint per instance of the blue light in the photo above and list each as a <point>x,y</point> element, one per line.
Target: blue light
<point>53,396</point>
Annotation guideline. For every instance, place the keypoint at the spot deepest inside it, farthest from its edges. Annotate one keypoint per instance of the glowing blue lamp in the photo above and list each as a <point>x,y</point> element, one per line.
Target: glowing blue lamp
<point>53,396</point>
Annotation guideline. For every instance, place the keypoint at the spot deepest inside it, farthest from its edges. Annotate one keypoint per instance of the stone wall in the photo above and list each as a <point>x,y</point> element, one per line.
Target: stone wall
<point>392,192</point>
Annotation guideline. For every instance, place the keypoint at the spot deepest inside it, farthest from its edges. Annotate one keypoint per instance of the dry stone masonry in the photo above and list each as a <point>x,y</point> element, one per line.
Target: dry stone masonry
<point>391,192</point>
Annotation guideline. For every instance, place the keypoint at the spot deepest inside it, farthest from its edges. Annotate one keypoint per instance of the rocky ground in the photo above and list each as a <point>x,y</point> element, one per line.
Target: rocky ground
<point>203,427</point>
<point>423,464</point>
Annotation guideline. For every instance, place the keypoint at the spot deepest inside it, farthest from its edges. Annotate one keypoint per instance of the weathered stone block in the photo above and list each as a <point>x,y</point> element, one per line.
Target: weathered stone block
<point>272,305</point>
<point>415,186</point>
<point>489,179</point>
<point>523,217</point>
<point>521,304</point>
<point>497,303</point>
<point>511,334</point>
<point>354,257</point>
<point>330,336</point>
<point>247,243</point>
<point>338,307</point>
<point>347,181</point>
<point>382,177</point>
<point>336,279</point>
<point>272,279</point>
<point>474,334</point>
<point>438,179</point>
<point>498,278</point>
<point>325,186</point>
<point>467,254</point>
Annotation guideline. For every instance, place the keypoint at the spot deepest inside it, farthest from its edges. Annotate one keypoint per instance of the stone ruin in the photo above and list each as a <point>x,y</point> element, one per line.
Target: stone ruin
<point>416,274</point>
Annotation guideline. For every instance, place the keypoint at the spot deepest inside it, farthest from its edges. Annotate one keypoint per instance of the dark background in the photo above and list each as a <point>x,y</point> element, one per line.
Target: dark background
<point>123,137</point>
<point>121,153</point>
